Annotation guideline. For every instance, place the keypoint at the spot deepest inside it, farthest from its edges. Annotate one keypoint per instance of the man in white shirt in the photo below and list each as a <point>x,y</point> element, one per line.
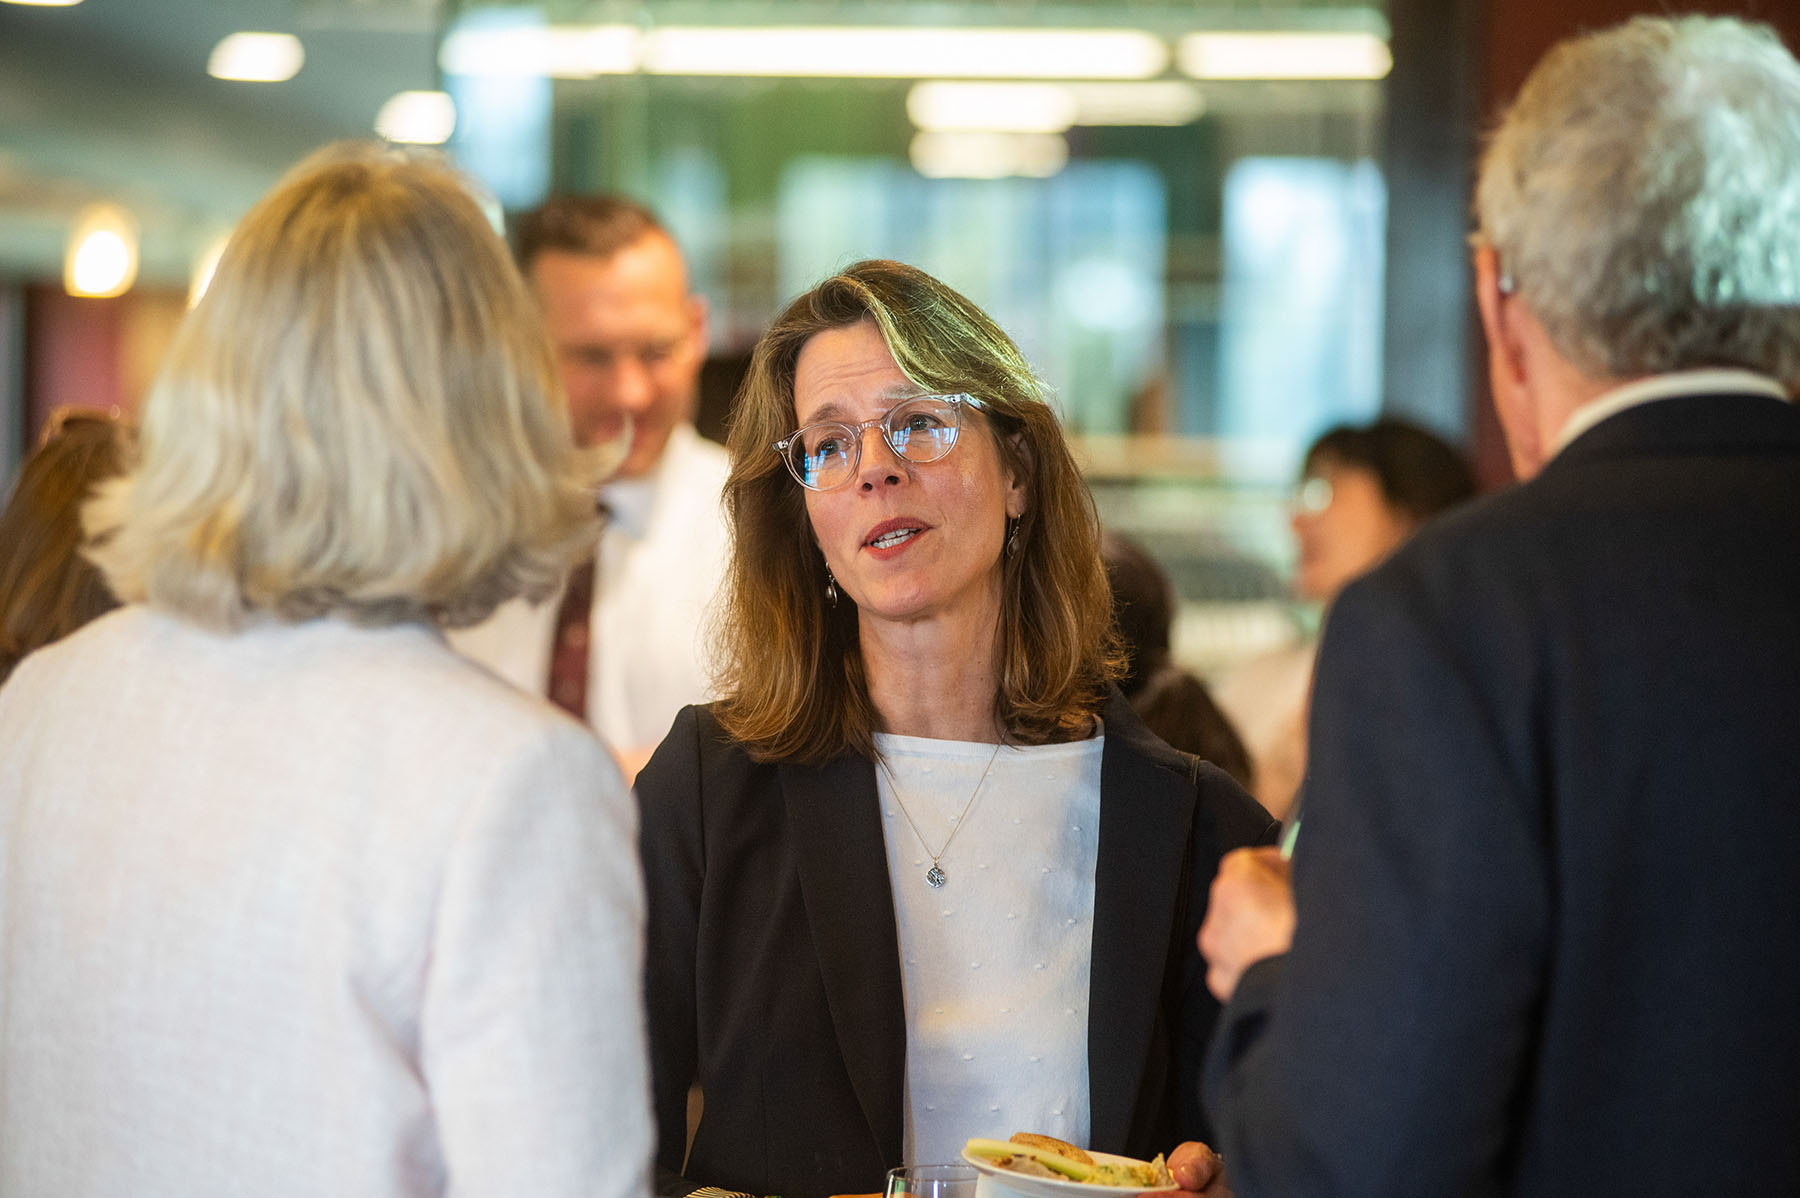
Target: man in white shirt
<point>630,339</point>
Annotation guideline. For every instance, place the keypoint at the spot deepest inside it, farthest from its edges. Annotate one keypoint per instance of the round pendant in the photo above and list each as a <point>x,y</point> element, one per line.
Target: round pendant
<point>936,876</point>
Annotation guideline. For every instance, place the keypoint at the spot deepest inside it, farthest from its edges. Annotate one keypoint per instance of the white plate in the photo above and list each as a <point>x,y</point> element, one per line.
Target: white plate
<point>1056,1187</point>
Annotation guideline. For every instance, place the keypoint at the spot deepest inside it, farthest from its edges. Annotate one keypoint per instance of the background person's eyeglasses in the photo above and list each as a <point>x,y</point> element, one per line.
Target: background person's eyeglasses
<point>1313,495</point>
<point>921,429</point>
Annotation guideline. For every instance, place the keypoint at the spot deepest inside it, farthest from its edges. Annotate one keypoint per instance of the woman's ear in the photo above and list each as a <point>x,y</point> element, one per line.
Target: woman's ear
<point>1015,486</point>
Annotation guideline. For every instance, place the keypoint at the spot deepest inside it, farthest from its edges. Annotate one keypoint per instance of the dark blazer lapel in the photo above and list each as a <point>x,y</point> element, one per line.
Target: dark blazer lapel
<point>836,822</point>
<point>1146,815</point>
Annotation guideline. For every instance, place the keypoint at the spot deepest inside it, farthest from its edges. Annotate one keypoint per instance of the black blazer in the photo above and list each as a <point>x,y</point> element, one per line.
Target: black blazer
<point>773,970</point>
<point>1549,878</point>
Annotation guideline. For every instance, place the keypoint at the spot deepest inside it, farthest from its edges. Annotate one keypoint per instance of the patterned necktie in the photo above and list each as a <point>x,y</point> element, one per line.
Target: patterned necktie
<point>570,652</point>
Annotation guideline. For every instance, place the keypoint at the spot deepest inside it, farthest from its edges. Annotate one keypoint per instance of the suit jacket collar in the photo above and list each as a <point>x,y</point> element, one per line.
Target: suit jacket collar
<point>1146,819</point>
<point>1691,424</point>
<point>1676,384</point>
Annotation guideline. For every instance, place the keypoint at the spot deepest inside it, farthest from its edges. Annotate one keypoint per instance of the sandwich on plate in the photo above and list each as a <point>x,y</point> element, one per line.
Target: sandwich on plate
<point>1045,1156</point>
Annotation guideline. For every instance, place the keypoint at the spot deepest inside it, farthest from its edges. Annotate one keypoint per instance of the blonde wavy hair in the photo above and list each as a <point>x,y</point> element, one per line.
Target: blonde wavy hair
<point>361,417</point>
<point>792,672</point>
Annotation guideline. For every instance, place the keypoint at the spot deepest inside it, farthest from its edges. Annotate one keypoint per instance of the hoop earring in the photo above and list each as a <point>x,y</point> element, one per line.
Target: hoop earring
<point>1012,536</point>
<point>830,587</point>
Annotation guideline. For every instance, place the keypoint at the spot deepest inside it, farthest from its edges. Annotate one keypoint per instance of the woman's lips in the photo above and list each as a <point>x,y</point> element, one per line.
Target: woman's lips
<point>891,536</point>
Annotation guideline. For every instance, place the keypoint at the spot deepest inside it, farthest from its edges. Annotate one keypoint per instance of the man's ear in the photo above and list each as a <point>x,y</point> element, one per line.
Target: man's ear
<point>697,312</point>
<point>1509,375</point>
<point>1506,354</point>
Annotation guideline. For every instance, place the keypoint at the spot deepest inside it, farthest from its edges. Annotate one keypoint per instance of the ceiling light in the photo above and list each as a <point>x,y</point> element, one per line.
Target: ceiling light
<point>1012,107</point>
<point>586,51</point>
<point>1284,56</point>
<point>256,57</point>
<point>974,155</point>
<point>906,52</point>
<point>419,118</point>
<point>101,256</point>
<point>44,3</point>
<point>1051,107</point>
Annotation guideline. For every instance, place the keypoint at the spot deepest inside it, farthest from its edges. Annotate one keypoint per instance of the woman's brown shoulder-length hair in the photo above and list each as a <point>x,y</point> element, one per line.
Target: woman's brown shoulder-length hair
<point>791,669</point>
<point>47,589</point>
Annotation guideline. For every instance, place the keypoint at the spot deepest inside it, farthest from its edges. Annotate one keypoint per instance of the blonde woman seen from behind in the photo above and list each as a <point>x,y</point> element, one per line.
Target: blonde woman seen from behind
<point>294,899</point>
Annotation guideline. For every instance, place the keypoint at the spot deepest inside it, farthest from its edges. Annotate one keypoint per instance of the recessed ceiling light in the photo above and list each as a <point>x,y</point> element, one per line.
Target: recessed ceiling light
<point>256,57</point>
<point>418,118</point>
<point>101,257</point>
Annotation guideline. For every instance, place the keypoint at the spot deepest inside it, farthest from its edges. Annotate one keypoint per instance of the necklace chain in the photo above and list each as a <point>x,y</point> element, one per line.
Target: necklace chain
<point>935,876</point>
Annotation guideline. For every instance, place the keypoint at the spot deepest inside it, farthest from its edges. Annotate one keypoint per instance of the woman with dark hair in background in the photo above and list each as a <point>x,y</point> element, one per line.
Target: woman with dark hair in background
<point>47,588</point>
<point>922,874</point>
<point>1173,702</point>
<point>1364,489</point>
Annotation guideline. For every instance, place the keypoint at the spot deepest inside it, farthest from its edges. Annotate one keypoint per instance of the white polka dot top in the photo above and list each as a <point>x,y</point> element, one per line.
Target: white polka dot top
<point>995,962</point>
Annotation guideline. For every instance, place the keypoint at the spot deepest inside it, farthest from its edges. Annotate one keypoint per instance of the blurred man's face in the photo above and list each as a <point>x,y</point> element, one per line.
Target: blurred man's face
<point>629,338</point>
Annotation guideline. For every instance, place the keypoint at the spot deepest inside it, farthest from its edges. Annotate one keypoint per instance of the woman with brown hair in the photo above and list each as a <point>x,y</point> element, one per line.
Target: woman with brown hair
<point>921,875</point>
<point>47,588</point>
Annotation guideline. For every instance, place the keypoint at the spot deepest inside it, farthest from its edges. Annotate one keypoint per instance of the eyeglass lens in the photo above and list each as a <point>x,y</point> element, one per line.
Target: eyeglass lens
<point>1313,496</point>
<point>921,430</point>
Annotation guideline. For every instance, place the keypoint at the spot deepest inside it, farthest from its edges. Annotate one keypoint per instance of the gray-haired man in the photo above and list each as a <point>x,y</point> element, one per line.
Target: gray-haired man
<point>1544,905</point>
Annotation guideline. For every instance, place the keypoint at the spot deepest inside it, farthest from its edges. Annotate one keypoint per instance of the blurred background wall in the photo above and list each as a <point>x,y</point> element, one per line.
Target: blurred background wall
<point>1217,228</point>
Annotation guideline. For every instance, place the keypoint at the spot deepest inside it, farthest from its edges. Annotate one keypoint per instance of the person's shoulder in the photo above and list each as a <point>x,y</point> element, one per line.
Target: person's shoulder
<point>695,747</point>
<point>409,682</point>
<point>1469,549</point>
<point>60,670</point>
<point>1236,818</point>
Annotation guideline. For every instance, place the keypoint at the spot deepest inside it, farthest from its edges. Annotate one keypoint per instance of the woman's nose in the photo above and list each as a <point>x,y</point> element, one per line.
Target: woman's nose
<point>878,463</point>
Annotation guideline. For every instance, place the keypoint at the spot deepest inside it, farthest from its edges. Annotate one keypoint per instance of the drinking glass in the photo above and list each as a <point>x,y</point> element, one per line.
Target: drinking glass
<point>931,1181</point>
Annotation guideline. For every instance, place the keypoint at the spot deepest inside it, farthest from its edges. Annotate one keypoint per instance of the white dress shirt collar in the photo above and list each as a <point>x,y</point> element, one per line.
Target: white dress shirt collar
<point>631,502</point>
<point>1666,386</point>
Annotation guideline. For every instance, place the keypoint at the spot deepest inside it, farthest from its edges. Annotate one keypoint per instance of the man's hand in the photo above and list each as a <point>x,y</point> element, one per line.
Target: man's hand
<point>1249,916</point>
<point>1198,1168</point>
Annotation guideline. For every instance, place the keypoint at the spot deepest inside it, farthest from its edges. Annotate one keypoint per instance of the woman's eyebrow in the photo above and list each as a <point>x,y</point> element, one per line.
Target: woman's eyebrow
<point>831,409</point>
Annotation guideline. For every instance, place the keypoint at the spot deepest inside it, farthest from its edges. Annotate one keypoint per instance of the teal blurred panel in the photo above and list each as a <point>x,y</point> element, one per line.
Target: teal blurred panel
<point>503,119</point>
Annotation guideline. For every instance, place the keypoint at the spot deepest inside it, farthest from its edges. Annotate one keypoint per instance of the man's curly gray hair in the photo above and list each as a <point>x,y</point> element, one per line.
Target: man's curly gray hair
<point>1643,195</point>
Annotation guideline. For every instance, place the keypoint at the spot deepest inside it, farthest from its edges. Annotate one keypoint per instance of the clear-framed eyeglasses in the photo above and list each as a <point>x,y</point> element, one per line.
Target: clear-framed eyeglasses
<point>922,429</point>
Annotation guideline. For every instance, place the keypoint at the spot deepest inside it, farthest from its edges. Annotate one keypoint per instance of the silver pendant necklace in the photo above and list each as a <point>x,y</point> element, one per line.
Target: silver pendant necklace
<point>935,877</point>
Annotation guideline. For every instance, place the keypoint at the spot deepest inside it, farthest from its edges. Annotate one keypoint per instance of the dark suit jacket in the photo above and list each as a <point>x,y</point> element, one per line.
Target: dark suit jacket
<point>1549,877</point>
<point>773,974</point>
